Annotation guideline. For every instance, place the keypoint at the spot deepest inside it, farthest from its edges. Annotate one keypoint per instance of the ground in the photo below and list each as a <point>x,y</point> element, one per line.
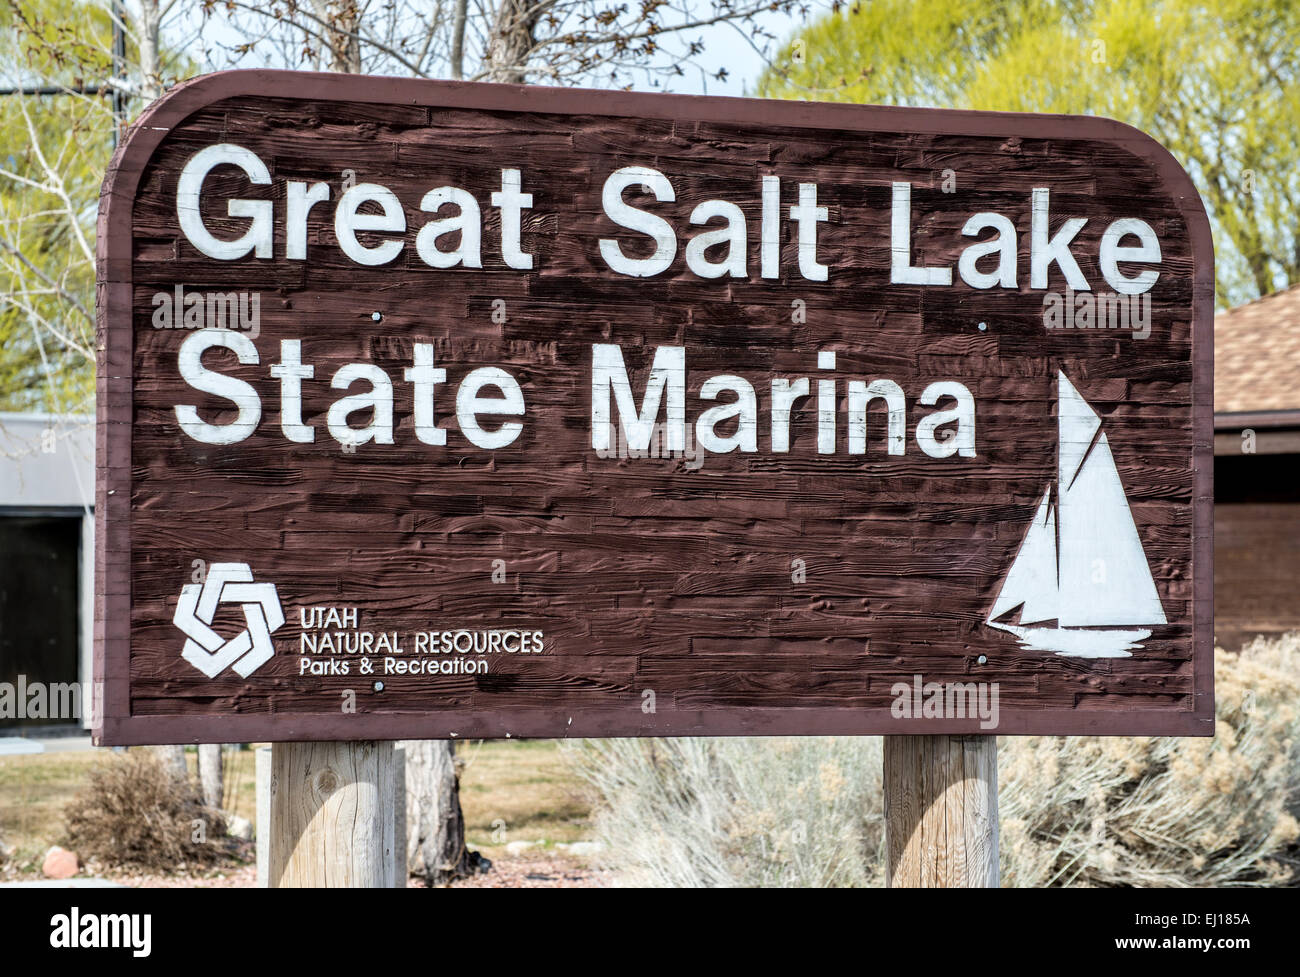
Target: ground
<point>514,793</point>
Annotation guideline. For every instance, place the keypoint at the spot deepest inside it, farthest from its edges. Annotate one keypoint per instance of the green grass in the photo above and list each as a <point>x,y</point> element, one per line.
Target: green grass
<point>510,790</point>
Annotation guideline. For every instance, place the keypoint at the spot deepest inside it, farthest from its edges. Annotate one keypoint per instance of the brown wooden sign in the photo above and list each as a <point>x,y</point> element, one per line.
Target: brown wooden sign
<point>433,410</point>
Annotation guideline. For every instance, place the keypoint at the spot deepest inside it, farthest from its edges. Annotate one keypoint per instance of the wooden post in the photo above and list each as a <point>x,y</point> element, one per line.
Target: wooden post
<point>401,859</point>
<point>941,811</point>
<point>332,815</point>
<point>263,774</point>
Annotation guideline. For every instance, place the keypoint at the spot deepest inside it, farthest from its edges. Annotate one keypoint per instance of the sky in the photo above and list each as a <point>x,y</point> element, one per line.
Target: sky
<point>726,45</point>
<point>738,54</point>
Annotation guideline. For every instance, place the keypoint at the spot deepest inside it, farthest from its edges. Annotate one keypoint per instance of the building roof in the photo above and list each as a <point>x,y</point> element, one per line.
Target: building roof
<point>1257,355</point>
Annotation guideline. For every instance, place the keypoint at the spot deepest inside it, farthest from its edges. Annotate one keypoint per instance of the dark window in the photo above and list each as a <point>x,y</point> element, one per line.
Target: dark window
<point>39,609</point>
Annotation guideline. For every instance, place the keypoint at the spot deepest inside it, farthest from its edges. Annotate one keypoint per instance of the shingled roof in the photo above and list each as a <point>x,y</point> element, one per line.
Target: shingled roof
<point>1257,355</point>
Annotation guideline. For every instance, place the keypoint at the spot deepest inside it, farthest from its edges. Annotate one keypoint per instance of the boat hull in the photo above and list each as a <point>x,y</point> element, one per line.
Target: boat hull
<point>1079,642</point>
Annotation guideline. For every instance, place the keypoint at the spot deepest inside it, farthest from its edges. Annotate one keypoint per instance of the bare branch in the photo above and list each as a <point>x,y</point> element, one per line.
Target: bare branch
<point>54,286</point>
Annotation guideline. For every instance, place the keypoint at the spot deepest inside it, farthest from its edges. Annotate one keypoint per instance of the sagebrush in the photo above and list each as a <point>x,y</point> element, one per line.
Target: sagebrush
<point>1082,811</point>
<point>134,813</point>
<point>730,812</point>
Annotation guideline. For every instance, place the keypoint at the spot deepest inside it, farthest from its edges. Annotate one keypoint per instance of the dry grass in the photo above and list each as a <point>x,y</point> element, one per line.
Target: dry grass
<point>737,812</point>
<point>34,790</point>
<point>520,790</point>
<point>1075,811</point>
<point>1081,811</point>
<point>510,791</point>
<point>134,813</point>
<point>1155,811</point>
<point>239,780</point>
<point>525,785</point>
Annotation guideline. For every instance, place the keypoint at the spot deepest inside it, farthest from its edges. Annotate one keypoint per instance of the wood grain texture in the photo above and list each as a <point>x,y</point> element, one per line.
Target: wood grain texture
<point>644,574</point>
<point>262,771</point>
<point>400,861</point>
<point>941,811</point>
<point>332,816</point>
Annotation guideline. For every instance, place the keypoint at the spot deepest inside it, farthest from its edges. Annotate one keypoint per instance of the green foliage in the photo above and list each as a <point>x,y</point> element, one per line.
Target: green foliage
<point>53,151</point>
<point>1215,81</point>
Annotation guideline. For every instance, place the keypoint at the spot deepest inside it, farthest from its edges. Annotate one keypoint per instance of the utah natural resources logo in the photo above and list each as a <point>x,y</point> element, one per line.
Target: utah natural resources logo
<point>209,652</point>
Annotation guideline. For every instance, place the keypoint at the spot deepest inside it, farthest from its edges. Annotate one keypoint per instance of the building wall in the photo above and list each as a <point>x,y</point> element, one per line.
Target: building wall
<point>47,485</point>
<point>47,462</point>
<point>1256,547</point>
<point>39,612</point>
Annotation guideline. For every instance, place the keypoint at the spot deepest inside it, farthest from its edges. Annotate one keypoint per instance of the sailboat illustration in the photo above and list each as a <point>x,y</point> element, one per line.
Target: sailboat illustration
<point>1080,581</point>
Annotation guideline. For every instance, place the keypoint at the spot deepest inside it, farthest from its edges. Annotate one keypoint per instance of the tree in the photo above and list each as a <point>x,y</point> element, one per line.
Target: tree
<point>49,171</point>
<point>210,773</point>
<point>1217,82</point>
<point>59,142</point>
<point>595,42</point>
<point>435,825</point>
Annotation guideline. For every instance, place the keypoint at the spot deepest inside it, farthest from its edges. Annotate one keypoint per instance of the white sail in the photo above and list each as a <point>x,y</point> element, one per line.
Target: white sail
<point>1077,427</point>
<point>1104,576</point>
<point>1031,581</point>
<point>1081,563</point>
